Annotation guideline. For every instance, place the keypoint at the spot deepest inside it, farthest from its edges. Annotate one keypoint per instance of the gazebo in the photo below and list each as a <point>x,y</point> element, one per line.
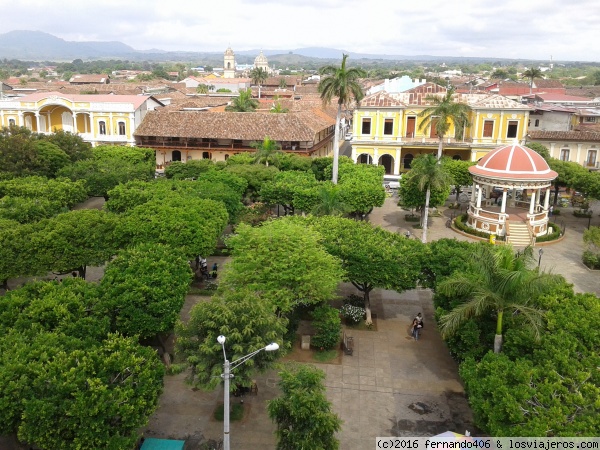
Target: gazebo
<point>511,170</point>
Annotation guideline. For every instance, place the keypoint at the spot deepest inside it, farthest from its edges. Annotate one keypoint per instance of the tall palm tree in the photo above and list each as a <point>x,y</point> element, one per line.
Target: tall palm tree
<point>258,76</point>
<point>243,102</point>
<point>531,73</point>
<point>500,281</point>
<point>442,113</point>
<point>342,83</point>
<point>266,150</point>
<point>428,174</point>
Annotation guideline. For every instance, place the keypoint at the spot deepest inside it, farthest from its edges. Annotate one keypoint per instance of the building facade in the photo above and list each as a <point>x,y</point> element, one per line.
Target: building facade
<point>388,130</point>
<point>99,119</point>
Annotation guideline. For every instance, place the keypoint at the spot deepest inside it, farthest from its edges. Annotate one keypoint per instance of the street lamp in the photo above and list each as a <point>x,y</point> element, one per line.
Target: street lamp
<point>227,368</point>
<point>541,252</point>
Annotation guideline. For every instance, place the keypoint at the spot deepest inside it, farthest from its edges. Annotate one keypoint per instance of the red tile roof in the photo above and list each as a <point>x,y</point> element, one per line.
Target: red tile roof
<point>565,136</point>
<point>135,100</point>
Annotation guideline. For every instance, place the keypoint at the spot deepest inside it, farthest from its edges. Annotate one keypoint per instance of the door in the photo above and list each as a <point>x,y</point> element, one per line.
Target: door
<point>410,126</point>
<point>432,131</point>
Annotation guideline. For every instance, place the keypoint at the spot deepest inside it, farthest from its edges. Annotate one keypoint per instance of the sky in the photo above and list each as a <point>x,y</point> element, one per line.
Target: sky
<point>523,29</point>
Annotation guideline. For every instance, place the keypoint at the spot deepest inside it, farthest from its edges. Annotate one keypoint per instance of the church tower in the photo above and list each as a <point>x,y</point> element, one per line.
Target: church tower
<point>229,63</point>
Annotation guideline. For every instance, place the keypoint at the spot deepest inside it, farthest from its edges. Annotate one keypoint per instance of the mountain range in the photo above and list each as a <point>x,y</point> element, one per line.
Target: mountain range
<point>41,46</point>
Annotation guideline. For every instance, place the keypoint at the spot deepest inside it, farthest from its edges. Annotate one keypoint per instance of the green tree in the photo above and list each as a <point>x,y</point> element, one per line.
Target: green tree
<point>267,150</point>
<point>190,225</point>
<point>143,290</point>
<point>90,398</point>
<point>18,257</point>
<point>243,102</point>
<point>76,239</point>
<point>459,171</point>
<point>428,175</point>
<point>190,169</point>
<point>286,188</point>
<point>541,149</point>
<point>302,413</point>
<point>328,327</point>
<point>444,112</point>
<point>499,281</point>
<point>341,83</point>
<point>249,324</point>
<point>255,175</point>
<point>72,144</point>
<point>284,262</point>
<point>532,73</point>
<point>371,257</point>
<point>258,75</point>
<point>569,174</point>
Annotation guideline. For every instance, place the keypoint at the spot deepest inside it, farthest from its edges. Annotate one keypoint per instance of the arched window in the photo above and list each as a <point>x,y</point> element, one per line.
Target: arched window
<point>408,160</point>
<point>122,128</point>
<point>205,155</point>
<point>365,159</point>
<point>387,161</point>
<point>11,122</point>
<point>565,153</point>
<point>102,127</point>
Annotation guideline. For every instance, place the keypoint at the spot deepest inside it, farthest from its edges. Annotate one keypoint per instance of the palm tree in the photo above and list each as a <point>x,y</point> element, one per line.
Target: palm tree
<point>500,281</point>
<point>258,76</point>
<point>266,150</point>
<point>243,102</point>
<point>282,83</point>
<point>330,202</point>
<point>278,109</point>
<point>444,112</point>
<point>342,83</point>
<point>531,73</point>
<point>428,174</point>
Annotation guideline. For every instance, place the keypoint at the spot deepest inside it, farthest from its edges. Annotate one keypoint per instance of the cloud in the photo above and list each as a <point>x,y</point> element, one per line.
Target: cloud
<point>529,29</point>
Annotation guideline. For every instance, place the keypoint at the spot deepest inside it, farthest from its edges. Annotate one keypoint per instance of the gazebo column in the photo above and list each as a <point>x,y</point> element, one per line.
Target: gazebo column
<point>547,199</point>
<point>503,207</point>
<point>473,192</point>
<point>532,202</point>
<point>479,192</point>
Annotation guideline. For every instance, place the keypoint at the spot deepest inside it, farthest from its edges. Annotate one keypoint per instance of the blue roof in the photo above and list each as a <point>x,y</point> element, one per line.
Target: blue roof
<point>162,444</point>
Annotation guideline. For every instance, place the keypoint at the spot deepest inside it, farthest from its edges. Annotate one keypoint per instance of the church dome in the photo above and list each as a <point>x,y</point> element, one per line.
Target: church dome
<point>261,60</point>
<point>229,52</point>
<point>513,162</point>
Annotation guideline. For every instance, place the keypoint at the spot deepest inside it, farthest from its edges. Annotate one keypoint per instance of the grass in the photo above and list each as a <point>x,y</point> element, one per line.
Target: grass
<point>325,355</point>
<point>236,412</point>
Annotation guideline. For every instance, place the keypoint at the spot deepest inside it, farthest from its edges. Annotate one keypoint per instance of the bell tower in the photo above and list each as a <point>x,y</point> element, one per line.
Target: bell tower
<point>229,63</point>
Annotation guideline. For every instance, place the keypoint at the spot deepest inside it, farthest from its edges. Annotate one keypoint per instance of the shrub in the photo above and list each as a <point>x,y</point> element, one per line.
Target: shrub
<point>582,213</point>
<point>354,300</point>
<point>459,223</point>
<point>328,326</point>
<point>556,233</point>
<point>352,314</point>
<point>591,259</point>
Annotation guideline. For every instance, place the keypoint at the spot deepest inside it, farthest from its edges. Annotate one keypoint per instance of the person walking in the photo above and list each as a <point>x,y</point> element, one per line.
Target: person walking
<point>415,329</point>
<point>213,272</point>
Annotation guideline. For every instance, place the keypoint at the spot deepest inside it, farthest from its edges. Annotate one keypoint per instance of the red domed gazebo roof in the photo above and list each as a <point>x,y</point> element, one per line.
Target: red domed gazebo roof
<point>514,162</point>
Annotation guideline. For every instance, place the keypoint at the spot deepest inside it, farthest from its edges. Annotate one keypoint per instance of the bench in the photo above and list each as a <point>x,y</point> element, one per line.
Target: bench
<point>348,343</point>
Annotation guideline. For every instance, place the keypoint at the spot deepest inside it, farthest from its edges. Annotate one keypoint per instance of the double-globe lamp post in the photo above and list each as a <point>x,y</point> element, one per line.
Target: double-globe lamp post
<point>227,368</point>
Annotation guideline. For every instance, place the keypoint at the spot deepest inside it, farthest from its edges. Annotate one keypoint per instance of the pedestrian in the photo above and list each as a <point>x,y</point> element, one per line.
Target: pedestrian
<point>213,272</point>
<point>415,329</point>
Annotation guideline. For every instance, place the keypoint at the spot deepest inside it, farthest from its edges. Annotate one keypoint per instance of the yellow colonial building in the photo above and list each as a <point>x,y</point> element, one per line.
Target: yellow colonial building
<point>387,129</point>
<point>99,119</point>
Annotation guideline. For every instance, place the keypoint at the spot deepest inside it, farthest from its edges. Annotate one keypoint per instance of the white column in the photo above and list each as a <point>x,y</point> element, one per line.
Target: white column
<point>578,153</point>
<point>473,192</point>
<point>37,122</point>
<point>92,126</point>
<point>75,130</point>
<point>547,199</point>
<point>20,119</point>
<point>499,135</point>
<point>375,156</point>
<point>552,144</point>
<point>479,192</point>
<point>503,207</point>
<point>131,126</point>
<point>110,124</point>
<point>377,131</point>
<point>532,201</point>
<point>353,155</point>
<point>476,136</point>
<point>397,162</point>
<point>473,155</point>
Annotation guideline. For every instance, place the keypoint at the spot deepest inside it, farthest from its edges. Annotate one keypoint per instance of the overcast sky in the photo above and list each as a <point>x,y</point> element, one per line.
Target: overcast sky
<point>534,29</point>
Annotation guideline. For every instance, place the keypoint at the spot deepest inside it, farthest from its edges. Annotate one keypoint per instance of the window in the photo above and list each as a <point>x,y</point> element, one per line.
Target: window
<point>589,119</point>
<point>591,159</point>
<point>102,127</point>
<point>122,128</point>
<point>176,155</point>
<point>366,126</point>
<point>205,155</point>
<point>388,126</point>
<point>408,160</point>
<point>537,123</point>
<point>511,131</point>
<point>488,128</point>
<point>564,154</point>
<point>11,122</point>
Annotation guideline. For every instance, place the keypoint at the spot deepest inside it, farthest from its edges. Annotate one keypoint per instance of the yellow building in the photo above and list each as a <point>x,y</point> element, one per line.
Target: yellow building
<point>387,128</point>
<point>99,119</point>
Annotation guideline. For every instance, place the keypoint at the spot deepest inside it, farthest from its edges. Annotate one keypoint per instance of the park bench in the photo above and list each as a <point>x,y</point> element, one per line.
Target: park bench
<point>348,343</point>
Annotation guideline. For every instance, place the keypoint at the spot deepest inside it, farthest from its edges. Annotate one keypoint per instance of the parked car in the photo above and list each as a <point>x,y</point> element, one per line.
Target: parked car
<point>348,136</point>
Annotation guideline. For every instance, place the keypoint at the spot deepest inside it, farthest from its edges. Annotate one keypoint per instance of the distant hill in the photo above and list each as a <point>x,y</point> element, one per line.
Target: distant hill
<point>37,45</point>
<point>40,46</point>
